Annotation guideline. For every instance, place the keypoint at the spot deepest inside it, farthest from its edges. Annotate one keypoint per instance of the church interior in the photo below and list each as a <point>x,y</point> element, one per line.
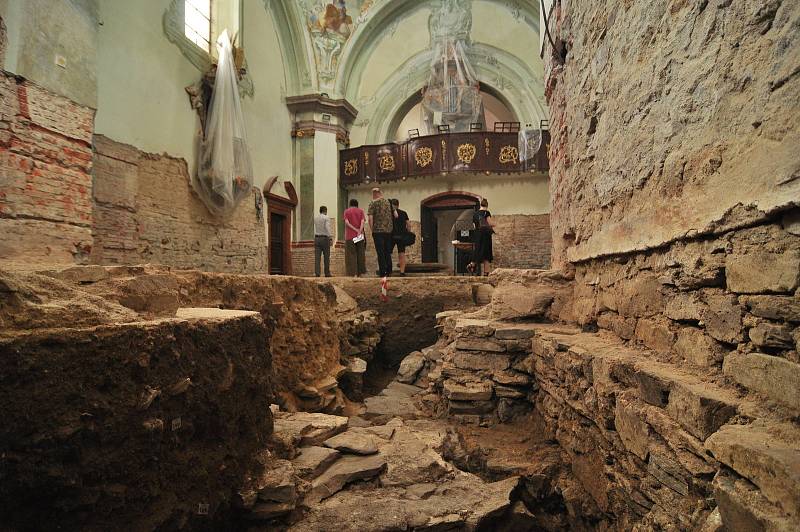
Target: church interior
<point>571,301</point>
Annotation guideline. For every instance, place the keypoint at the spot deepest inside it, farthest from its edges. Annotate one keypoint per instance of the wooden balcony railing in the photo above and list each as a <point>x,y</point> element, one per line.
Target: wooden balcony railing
<point>476,152</point>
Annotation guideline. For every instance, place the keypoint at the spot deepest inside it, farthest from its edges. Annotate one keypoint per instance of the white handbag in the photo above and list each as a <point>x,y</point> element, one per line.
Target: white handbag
<point>358,239</point>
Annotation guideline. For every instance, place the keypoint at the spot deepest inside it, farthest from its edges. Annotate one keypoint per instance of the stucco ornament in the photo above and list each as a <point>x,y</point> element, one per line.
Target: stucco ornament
<point>453,20</point>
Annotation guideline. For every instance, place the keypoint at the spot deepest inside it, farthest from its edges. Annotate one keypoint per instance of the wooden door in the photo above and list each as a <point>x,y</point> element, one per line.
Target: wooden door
<point>277,244</point>
<point>430,230</point>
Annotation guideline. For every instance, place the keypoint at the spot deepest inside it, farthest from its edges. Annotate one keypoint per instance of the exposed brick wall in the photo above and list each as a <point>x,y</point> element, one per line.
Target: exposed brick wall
<point>146,211</point>
<point>522,241</point>
<point>303,259</point>
<point>45,176</point>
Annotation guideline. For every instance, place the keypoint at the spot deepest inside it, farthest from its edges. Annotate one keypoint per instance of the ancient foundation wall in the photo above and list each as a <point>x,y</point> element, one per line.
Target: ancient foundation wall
<point>675,201</point>
<point>45,176</point>
<point>669,119</point>
<point>146,212</point>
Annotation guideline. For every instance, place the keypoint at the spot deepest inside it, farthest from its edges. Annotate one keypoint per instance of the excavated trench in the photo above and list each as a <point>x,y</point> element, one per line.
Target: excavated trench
<point>138,398</point>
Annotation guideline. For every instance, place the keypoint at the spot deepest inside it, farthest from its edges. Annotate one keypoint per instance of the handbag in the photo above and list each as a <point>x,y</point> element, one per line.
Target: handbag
<point>358,238</point>
<point>405,239</point>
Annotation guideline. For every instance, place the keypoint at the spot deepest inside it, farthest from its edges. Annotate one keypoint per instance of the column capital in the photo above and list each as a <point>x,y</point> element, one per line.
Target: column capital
<point>318,112</point>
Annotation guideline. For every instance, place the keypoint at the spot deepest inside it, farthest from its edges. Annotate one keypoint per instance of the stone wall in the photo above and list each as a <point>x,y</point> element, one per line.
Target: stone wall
<point>303,259</point>
<point>669,119</point>
<point>46,181</point>
<point>674,183</point>
<point>147,212</point>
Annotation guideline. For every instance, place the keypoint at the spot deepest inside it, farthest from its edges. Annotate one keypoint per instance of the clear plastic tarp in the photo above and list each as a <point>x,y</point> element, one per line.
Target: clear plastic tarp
<point>224,171</point>
<point>452,95</point>
<point>530,140</point>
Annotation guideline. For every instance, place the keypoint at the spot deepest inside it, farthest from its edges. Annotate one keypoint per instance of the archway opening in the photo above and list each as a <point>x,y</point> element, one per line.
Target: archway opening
<point>409,116</point>
<point>444,217</point>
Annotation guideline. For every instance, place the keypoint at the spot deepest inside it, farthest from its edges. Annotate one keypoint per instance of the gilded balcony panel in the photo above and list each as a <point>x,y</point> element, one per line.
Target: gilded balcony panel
<point>476,152</point>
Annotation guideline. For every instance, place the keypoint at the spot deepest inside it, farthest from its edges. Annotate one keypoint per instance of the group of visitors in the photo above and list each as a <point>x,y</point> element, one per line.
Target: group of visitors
<point>390,231</point>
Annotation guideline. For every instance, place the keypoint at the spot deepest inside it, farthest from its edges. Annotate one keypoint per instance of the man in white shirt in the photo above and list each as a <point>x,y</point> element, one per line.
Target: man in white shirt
<point>323,238</point>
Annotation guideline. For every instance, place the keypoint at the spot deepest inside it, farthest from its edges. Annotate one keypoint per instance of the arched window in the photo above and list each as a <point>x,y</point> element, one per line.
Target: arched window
<point>197,22</point>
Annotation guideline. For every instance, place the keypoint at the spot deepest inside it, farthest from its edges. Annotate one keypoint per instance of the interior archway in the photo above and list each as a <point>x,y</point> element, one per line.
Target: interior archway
<point>439,215</point>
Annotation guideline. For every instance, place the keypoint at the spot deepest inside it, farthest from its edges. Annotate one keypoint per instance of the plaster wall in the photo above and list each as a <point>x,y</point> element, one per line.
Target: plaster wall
<point>41,30</point>
<point>326,173</point>
<point>517,195</point>
<point>142,101</point>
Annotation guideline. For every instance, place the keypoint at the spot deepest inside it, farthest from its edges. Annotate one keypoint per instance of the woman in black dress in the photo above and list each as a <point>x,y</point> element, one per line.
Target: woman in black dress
<point>484,228</point>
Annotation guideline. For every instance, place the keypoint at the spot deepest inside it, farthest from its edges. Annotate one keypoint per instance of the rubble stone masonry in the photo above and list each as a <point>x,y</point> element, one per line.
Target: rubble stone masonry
<point>675,187</point>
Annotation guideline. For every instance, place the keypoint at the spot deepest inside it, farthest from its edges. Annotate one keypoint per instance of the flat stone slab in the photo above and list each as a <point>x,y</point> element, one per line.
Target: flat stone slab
<point>471,391</point>
<point>202,313</point>
<point>313,461</point>
<point>305,428</point>
<point>775,377</point>
<point>479,344</point>
<point>353,443</point>
<point>345,470</point>
<point>757,454</point>
<point>278,484</point>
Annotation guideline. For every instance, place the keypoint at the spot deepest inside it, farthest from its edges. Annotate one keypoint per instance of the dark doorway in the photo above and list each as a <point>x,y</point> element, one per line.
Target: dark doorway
<point>438,216</point>
<point>280,211</point>
<point>277,244</point>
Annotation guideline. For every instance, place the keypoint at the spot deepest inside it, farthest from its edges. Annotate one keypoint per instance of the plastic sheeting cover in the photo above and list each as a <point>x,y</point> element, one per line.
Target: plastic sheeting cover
<point>224,171</point>
<point>452,95</point>
<point>530,140</point>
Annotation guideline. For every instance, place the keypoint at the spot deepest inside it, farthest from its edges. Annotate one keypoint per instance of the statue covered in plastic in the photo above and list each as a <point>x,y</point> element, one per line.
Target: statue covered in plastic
<point>224,171</point>
<point>452,94</point>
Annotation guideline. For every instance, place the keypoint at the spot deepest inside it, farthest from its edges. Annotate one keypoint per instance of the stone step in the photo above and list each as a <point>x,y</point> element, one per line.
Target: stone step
<point>313,461</point>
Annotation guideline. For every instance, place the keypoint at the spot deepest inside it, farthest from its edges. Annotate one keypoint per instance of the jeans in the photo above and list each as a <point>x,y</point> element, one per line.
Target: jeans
<point>383,248</point>
<point>322,246</point>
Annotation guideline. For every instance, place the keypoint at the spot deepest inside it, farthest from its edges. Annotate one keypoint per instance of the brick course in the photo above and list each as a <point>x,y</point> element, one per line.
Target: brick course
<point>45,175</point>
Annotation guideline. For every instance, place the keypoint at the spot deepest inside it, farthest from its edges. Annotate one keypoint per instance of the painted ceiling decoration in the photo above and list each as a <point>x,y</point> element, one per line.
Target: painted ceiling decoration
<point>327,46</point>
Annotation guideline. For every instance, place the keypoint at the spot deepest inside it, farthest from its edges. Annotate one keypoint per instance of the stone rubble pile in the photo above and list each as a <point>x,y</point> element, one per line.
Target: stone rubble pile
<point>326,475</point>
<point>360,334</point>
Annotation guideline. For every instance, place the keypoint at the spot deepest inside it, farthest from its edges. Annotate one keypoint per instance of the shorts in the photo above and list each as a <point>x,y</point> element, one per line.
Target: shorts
<point>401,248</point>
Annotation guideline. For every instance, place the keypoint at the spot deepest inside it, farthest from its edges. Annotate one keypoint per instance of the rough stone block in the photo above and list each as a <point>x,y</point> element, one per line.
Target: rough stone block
<point>632,427</point>
<point>514,333</point>
<point>773,376</point>
<point>722,317</point>
<point>516,301</point>
<point>698,348</point>
<point>772,335</point>
<point>742,507</point>
<point>774,307</point>
<point>764,459</point>
<point>655,334</point>
<point>480,344</point>
<point>699,409</point>
<point>473,327</point>
<point>479,361</point>
<point>758,272</point>
<point>470,391</point>
<point>410,367</point>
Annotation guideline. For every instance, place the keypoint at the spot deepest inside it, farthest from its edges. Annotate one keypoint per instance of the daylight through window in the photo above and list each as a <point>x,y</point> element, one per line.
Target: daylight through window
<point>197,18</point>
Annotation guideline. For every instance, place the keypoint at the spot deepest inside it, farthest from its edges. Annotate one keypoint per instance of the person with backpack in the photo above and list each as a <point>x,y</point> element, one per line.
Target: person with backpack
<point>484,229</point>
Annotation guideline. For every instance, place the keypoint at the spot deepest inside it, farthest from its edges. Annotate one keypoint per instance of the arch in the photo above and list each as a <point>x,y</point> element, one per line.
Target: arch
<point>451,199</point>
<point>356,51</point>
<point>505,76</point>
<point>296,52</point>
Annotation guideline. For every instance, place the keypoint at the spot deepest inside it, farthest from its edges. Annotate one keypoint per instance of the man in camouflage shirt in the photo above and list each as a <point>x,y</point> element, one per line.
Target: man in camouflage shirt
<point>381,220</point>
